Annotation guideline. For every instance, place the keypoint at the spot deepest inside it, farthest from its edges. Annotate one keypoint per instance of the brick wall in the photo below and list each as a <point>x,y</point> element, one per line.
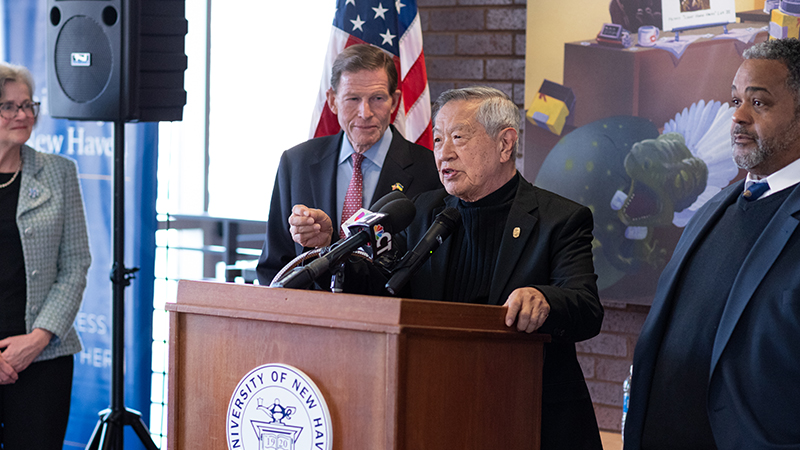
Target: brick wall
<point>468,42</point>
<point>607,357</point>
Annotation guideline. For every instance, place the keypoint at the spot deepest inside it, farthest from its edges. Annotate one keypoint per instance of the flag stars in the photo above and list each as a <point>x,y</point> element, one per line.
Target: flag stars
<point>399,5</point>
<point>350,2</point>
<point>358,23</point>
<point>387,37</point>
<point>380,11</point>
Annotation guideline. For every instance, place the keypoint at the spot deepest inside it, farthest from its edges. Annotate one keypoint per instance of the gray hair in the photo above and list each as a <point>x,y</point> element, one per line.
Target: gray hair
<point>363,57</point>
<point>496,112</point>
<point>786,51</point>
<point>13,72</point>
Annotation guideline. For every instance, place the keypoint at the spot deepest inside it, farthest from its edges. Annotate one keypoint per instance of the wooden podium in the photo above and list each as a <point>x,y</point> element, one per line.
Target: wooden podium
<point>395,373</point>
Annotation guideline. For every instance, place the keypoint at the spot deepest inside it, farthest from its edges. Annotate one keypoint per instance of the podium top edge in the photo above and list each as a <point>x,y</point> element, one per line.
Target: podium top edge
<point>323,306</point>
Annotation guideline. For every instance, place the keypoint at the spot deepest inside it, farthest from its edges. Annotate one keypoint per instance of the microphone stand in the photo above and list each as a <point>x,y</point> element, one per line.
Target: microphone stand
<point>337,278</point>
<point>108,433</point>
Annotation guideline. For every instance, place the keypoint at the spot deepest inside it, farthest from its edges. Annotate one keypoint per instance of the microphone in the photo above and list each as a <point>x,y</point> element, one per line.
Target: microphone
<point>442,227</point>
<point>400,211</point>
<point>362,212</point>
<point>381,202</point>
<point>374,232</point>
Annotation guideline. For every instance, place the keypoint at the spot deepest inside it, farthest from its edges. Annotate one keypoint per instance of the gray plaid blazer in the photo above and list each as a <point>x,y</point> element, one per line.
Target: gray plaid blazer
<point>55,244</point>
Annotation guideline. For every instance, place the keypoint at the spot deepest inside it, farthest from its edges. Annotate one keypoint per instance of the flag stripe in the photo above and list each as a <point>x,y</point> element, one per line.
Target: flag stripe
<point>415,83</point>
<point>418,119</point>
<point>427,135</point>
<point>411,46</point>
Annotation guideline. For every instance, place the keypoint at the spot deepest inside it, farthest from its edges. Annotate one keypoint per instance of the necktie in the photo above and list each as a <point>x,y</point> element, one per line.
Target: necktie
<point>353,197</point>
<point>755,191</point>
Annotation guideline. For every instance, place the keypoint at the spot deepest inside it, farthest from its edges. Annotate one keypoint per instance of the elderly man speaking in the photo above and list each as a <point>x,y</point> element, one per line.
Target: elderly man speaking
<point>519,246</point>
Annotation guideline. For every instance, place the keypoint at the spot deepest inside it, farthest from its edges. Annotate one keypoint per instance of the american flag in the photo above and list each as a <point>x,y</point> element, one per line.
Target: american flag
<point>394,26</point>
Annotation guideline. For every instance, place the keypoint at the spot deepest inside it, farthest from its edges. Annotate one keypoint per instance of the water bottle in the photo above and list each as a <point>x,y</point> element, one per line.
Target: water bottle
<point>626,396</point>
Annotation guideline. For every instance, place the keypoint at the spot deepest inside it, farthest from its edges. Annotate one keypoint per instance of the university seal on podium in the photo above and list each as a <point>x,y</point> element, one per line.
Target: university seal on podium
<point>278,407</point>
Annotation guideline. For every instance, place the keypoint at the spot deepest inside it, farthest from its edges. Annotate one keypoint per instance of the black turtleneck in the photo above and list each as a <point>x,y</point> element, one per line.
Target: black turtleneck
<point>476,244</point>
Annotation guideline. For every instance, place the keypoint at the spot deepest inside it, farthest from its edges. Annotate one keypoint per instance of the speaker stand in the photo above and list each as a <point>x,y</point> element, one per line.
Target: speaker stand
<point>108,434</point>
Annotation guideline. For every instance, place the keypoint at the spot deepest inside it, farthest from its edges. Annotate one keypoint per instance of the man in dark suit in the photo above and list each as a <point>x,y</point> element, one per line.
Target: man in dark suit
<point>717,363</point>
<point>519,246</point>
<point>317,173</point>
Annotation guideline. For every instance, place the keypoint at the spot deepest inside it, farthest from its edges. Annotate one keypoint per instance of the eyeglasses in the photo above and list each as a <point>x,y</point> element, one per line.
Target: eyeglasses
<point>9,110</point>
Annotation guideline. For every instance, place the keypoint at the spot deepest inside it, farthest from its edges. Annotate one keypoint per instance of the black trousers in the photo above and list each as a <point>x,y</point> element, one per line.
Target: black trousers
<point>34,411</point>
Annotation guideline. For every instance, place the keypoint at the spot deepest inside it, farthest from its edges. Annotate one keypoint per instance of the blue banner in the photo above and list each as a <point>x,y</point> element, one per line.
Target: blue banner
<point>91,144</point>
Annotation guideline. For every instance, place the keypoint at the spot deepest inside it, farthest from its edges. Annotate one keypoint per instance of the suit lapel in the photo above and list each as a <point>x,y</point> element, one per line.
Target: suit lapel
<point>652,333</point>
<point>32,191</point>
<point>706,218</point>
<point>323,172</point>
<point>516,233</point>
<point>758,262</point>
<point>398,159</point>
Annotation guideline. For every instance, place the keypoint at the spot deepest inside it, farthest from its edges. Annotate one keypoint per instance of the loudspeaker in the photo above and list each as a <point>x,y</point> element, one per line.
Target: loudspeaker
<point>116,60</point>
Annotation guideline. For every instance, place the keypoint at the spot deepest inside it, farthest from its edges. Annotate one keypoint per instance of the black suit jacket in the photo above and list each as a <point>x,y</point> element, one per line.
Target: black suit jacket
<point>753,395</point>
<point>546,244</point>
<point>307,175</point>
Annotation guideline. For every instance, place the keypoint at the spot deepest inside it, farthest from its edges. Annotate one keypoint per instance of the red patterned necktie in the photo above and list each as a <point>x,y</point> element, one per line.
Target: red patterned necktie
<point>353,198</point>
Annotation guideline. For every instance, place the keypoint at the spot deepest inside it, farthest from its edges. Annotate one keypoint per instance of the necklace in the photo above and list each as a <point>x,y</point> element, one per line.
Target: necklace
<point>8,183</point>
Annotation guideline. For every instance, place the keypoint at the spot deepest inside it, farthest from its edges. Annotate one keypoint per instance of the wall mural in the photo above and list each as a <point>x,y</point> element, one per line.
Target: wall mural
<point>645,142</point>
<point>643,185</point>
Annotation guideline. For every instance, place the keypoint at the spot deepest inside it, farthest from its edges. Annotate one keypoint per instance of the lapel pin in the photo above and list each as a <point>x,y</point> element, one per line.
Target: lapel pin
<point>33,193</point>
<point>516,232</point>
<point>397,187</point>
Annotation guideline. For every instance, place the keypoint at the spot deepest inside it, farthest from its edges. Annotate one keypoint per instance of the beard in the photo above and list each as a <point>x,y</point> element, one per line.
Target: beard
<point>765,148</point>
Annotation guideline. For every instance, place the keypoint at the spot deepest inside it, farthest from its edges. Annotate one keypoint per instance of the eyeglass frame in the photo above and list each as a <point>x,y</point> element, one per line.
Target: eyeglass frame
<point>32,106</point>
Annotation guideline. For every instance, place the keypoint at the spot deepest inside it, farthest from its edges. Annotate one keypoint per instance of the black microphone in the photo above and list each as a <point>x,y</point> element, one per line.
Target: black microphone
<point>373,232</point>
<point>381,202</point>
<point>377,206</point>
<point>442,227</point>
<point>401,212</point>
<point>337,278</point>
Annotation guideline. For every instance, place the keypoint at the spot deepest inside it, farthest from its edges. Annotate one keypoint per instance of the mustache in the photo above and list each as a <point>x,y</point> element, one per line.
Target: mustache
<point>740,130</point>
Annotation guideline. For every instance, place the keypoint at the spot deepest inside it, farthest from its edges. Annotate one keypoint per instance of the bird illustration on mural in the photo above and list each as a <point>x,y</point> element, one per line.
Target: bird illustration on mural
<point>641,183</point>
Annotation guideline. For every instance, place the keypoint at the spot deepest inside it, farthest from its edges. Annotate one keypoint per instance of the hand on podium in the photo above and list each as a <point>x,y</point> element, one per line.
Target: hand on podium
<point>528,307</point>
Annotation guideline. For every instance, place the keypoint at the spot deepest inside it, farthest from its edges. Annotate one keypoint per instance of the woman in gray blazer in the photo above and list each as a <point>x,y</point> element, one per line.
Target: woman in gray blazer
<point>44,258</point>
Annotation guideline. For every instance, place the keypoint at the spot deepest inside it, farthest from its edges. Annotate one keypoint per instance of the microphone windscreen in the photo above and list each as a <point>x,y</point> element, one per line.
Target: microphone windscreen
<point>401,212</point>
<point>381,202</point>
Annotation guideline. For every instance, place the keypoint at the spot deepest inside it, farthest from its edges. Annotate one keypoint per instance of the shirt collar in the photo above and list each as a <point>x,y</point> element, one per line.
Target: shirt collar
<point>376,154</point>
<point>780,180</point>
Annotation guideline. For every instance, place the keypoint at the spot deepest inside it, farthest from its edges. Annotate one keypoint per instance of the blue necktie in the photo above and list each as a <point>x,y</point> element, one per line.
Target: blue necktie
<point>755,191</point>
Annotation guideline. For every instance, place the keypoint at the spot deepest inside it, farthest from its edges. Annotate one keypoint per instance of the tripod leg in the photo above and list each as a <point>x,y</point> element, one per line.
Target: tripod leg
<point>94,441</point>
<point>99,430</point>
<point>144,435</point>
<point>112,436</point>
<point>102,438</point>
